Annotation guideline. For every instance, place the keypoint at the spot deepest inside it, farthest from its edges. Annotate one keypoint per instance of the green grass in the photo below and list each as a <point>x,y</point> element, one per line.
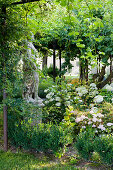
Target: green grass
<point>25,161</point>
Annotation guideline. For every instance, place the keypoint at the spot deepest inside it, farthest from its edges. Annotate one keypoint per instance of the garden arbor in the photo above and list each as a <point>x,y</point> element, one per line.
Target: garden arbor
<point>4,53</point>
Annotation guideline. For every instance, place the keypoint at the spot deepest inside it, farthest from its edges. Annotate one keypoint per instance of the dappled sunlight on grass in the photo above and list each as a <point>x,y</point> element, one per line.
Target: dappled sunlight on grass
<point>23,161</point>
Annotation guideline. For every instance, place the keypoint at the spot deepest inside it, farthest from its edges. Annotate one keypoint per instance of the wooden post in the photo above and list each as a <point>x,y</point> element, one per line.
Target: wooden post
<point>4,79</point>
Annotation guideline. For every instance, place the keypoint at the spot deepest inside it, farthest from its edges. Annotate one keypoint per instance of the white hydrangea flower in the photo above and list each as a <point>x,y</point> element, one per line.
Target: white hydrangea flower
<point>57,98</point>
<point>98,99</point>
<point>99,120</point>
<point>101,127</point>
<point>112,100</point>
<point>94,109</point>
<point>109,124</point>
<point>108,87</point>
<point>90,122</point>
<point>100,115</point>
<point>93,93</point>
<point>46,90</point>
<point>58,104</point>
<point>77,119</point>
<point>91,111</point>
<point>49,95</point>
<point>111,84</point>
<point>67,103</point>
<point>51,100</point>
<point>92,85</point>
<point>83,127</point>
<point>81,90</point>
<point>46,102</point>
<point>93,125</point>
<point>95,119</point>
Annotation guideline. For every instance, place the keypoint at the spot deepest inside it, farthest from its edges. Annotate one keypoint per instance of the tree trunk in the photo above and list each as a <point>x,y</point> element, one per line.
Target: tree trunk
<point>81,71</point>
<point>86,74</point>
<point>60,62</point>
<point>44,62</point>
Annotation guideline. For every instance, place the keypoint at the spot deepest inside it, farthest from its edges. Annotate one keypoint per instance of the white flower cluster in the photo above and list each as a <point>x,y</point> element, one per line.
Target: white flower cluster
<point>81,90</point>
<point>95,120</point>
<point>108,87</point>
<point>57,98</point>
<point>98,99</point>
<point>93,91</point>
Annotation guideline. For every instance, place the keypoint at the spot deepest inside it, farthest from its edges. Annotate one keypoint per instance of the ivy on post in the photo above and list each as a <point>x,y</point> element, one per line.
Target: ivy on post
<point>4,58</point>
<point>3,45</point>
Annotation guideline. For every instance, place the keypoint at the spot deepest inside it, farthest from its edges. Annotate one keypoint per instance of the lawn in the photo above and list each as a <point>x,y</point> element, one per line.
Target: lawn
<point>23,161</point>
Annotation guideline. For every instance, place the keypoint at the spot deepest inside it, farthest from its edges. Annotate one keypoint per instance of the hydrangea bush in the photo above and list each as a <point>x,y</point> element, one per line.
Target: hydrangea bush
<point>60,96</point>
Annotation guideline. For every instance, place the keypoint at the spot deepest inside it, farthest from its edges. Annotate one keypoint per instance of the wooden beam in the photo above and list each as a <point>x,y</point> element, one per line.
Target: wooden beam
<point>23,2</point>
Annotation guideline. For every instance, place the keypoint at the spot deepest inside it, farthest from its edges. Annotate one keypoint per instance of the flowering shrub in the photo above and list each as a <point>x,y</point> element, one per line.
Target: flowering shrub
<point>57,99</point>
<point>60,96</point>
<point>91,119</point>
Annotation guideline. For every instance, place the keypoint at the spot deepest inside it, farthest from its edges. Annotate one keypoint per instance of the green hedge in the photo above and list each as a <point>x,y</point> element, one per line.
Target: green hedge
<point>87,143</point>
<point>41,137</point>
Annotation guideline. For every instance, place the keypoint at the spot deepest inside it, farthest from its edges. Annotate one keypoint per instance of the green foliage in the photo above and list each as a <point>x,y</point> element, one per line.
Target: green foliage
<point>85,143</point>
<point>44,84</point>
<point>58,97</point>
<point>50,71</point>
<point>41,137</point>
<point>104,146</point>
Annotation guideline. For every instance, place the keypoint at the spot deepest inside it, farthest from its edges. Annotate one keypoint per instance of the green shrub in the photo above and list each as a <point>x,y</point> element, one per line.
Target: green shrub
<point>85,143</point>
<point>44,84</point>
<point>50,71</point>
<point>104,146</point>
<point>41,137</point>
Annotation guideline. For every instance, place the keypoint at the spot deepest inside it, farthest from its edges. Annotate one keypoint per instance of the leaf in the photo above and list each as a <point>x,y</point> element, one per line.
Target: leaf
<point>101,53</point>
<point>80,45</point>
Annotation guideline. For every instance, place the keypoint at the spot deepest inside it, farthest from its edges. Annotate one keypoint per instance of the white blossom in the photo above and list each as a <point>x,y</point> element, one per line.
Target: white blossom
<point>100,115</point>
<point>46,90</point>
<point>98,99</point>
<point>111,84</point>
<point>89,122</point>
<point>108,87</point>
<point>58,104</point>
<point>78,119</point>
<point>94,109</point>
<point>83,117</point>
<point>93,85</point>
<point>101,127</point>
<point>93,125</point>
<point>109,124</point>
<point>95,119</point>
<point>57,98</point>
<point>83,127</point>
<point>81,90</point>
<point>112,100</point>
<point>51,100</point>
